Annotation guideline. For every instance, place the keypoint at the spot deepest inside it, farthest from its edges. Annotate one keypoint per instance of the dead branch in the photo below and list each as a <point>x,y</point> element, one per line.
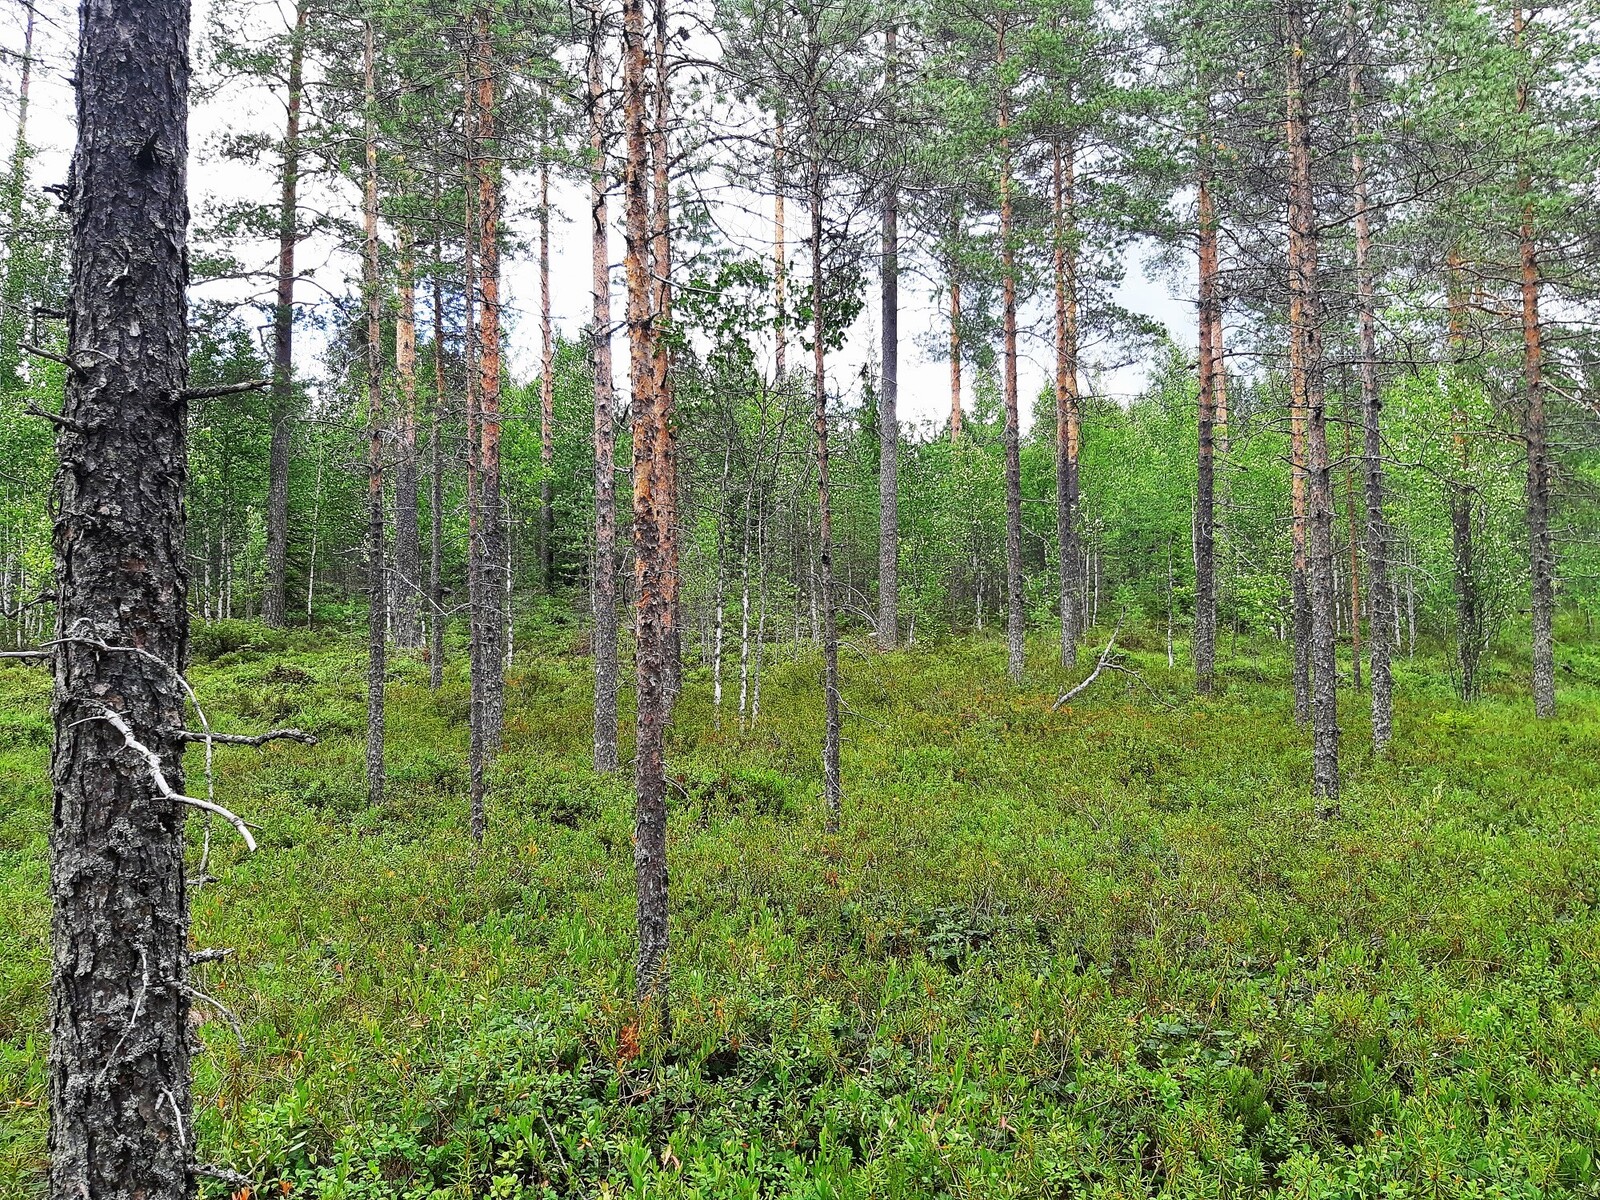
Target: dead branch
<point>226,389</point>
<point>245,739</point>
<point>159,778</point>
<point>1105,661</point>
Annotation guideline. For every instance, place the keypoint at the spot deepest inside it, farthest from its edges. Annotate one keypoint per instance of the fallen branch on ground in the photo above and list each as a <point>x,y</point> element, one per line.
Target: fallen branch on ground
<point>245,739</point>
<point>1105,661</point>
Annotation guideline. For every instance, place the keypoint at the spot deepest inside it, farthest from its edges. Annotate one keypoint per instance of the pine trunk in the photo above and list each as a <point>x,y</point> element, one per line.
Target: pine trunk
<point>1015,626</point>
<point>407,533</point>
<point>377,591</point>
<point>654,611</point>
<point>1205,545</point>
<point>832,783</point>
<point>1469,628</point>
<point>436,617</point>
<point>1381,607</point>
<point>120,1107</point>
<point>605,438</point>
<point>547,384</point>
<point>1064,177</point>
<point>274,593</point>
<point>888,402</point>
<point>1541,555</point>
<point>1304,289</point>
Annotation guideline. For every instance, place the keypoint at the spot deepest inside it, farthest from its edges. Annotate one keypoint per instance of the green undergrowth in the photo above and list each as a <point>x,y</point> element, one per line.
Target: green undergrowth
<point>1104,951</point>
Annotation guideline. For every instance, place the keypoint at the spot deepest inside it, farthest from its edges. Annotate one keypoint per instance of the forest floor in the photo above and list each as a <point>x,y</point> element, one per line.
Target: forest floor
<point>1104,951</point>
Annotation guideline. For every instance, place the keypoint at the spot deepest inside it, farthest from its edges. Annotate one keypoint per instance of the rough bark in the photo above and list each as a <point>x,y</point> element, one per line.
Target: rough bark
<point>1205,545</point>
<point>436,619</point>
<point>661,272</point>
<point>832,782</point>
<point>377,591</point>
<point>605,442</point>
<point>1541,554</point>
<point>1469,624</point>
<point>1015,617</point>
<point>119,1038</point>
<point>14,289</point>
<point>780,266</point>
<point>1380,592</point>
<point>476,752</point>
<point>274,594</point>
<point>955,353</point>
<point>1064,178</point>
<point>547,382</point>
<point>1304,289</point>
<point>491,619</point>
<point>407,589</point>
<point>653,612</point>
<point>888,401</point>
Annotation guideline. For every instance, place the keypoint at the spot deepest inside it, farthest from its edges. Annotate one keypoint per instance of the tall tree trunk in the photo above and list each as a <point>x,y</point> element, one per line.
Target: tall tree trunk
<point>832,783</point>
<point>1355,562</point>
<point>661,266</point>
<point>407,534</point>
<point>654,611</point>
<point>888,400</point>
<point>1015,627</point>
<point>605,438</point>
<point>377,591</point>
<point>955,353</point>
<point>1064,179</point>
<point>1306,300</point>
<point>780,267</point>
<point>547,378</point>
<point>490,616</point>
<point>1380,591</point>
<point>436,619</point>
<point>1299,602</point>
<point>14,289</point>
<point>1469,625</point>
<point>1205,545</point>
<point>1541,555</point>
<point>120,1110</point>
<point>274,602</point>
<point>476,752</point>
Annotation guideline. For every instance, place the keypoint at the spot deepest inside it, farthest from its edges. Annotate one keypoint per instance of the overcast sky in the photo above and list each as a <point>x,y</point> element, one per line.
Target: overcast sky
<point>924,377</point>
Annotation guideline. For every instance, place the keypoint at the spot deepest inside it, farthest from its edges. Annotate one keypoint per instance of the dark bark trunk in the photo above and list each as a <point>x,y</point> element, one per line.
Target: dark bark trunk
<point>1541,554</point>
<point>547,381</point>
<point>1380,591</point>
<point>888,403</point>
<point>436,619</point>
<point>120,1111</point>
<point>1469,626</point>
<point>1067,410</point>
<point>377,592</point>
<point>605,503</point>
<point>1306,297</point>
<point>14,290</point>
<point>832,781</point>
<point>1205,545</point>
<point>274,594</point>
<point>476,752</point>
<point>654,611</point>
<point>407,589</point>
<point>490,613</point>
<point>1015,617</point>
<point>661,268</point>
<point>780,267</point>
<point>955,353</point>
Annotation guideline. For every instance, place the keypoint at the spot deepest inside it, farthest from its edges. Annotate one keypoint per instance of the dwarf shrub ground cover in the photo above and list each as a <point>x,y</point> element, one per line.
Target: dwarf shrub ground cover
<point>1101,952</point>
